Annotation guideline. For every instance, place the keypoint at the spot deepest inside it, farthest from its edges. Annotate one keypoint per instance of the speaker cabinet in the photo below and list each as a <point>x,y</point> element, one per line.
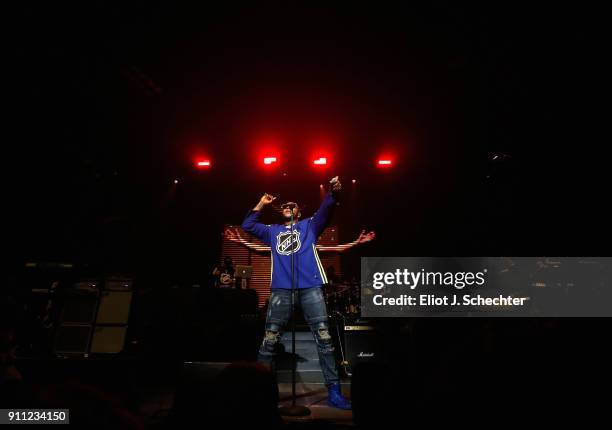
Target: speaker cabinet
<point>114,307</point>
<point>72,339</point>
<point>196,390</point>
<point>108,340</point>
<point>361,343</point>
<point>80,304</point>
<point>94,320</point>
<point>79,307</point>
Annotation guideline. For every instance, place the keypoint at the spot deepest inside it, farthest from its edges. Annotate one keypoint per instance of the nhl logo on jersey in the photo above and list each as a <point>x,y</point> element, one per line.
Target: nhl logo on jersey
<point>284,244</point>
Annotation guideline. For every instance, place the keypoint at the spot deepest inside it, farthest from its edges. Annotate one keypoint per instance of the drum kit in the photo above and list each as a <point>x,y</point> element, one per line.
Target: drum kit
<point>343,299</point>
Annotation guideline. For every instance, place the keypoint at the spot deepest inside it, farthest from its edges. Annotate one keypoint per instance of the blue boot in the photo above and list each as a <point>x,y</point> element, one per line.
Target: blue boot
<point>336,399</point>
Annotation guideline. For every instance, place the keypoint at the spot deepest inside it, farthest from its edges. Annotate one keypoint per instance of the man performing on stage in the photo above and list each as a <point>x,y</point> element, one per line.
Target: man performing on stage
<point>309,277</point>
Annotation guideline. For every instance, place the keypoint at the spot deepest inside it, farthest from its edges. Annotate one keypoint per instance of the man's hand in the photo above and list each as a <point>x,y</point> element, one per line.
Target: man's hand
<point>335,184</point>
<point>232,235</point>
<point>265,200</point>
<point>366,237</point>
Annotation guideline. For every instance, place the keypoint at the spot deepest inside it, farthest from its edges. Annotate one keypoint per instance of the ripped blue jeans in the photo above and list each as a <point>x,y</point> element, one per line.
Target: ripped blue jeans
<point>313,307</point>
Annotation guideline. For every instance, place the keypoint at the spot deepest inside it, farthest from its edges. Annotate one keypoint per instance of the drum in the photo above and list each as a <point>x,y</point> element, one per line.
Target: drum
<point>342,299</point>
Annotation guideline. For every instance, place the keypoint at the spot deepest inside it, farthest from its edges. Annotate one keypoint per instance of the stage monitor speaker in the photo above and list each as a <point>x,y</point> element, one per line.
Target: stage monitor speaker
<point>72,339</point>
<point>108,340</point>
<point>196,388</point>
<point>241,393</point>
<point>372,395</point>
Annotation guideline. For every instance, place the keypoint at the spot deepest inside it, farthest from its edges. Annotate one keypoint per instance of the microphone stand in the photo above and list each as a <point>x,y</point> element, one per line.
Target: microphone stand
<point>293,410</point>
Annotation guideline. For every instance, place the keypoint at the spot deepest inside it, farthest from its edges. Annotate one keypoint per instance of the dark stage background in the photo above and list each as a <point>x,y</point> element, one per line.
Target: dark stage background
<point>114,101</point>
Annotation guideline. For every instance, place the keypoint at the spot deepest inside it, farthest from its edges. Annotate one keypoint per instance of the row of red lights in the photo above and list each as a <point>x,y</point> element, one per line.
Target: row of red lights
<point>321,161</point>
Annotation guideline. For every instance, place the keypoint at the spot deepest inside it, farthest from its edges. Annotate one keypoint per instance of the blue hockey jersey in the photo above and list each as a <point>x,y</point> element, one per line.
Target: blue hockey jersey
<point>308,270</point>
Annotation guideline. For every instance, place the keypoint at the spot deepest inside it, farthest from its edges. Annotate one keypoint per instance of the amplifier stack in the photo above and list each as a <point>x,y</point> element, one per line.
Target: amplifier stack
<point>360,342</point>
<point>94,317</point>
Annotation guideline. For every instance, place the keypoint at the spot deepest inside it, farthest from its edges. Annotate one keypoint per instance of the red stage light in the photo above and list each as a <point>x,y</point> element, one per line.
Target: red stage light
<point>321,161</point>
<point>203,164</point>
<point>385,163</point>
<point>269,160</point>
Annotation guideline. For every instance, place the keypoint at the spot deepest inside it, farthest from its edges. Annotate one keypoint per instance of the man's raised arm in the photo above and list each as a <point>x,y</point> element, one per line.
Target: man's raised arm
<point>251,224</point>
<point>321,217</point>
<point>234,236</point>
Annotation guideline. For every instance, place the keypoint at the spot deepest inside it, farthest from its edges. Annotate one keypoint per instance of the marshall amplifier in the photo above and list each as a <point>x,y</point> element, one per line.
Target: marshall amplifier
<point>72,339</point>
<point>108,339</point>
<point>115,302</point>
<point>361,343</point>
<point>79,304</point>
